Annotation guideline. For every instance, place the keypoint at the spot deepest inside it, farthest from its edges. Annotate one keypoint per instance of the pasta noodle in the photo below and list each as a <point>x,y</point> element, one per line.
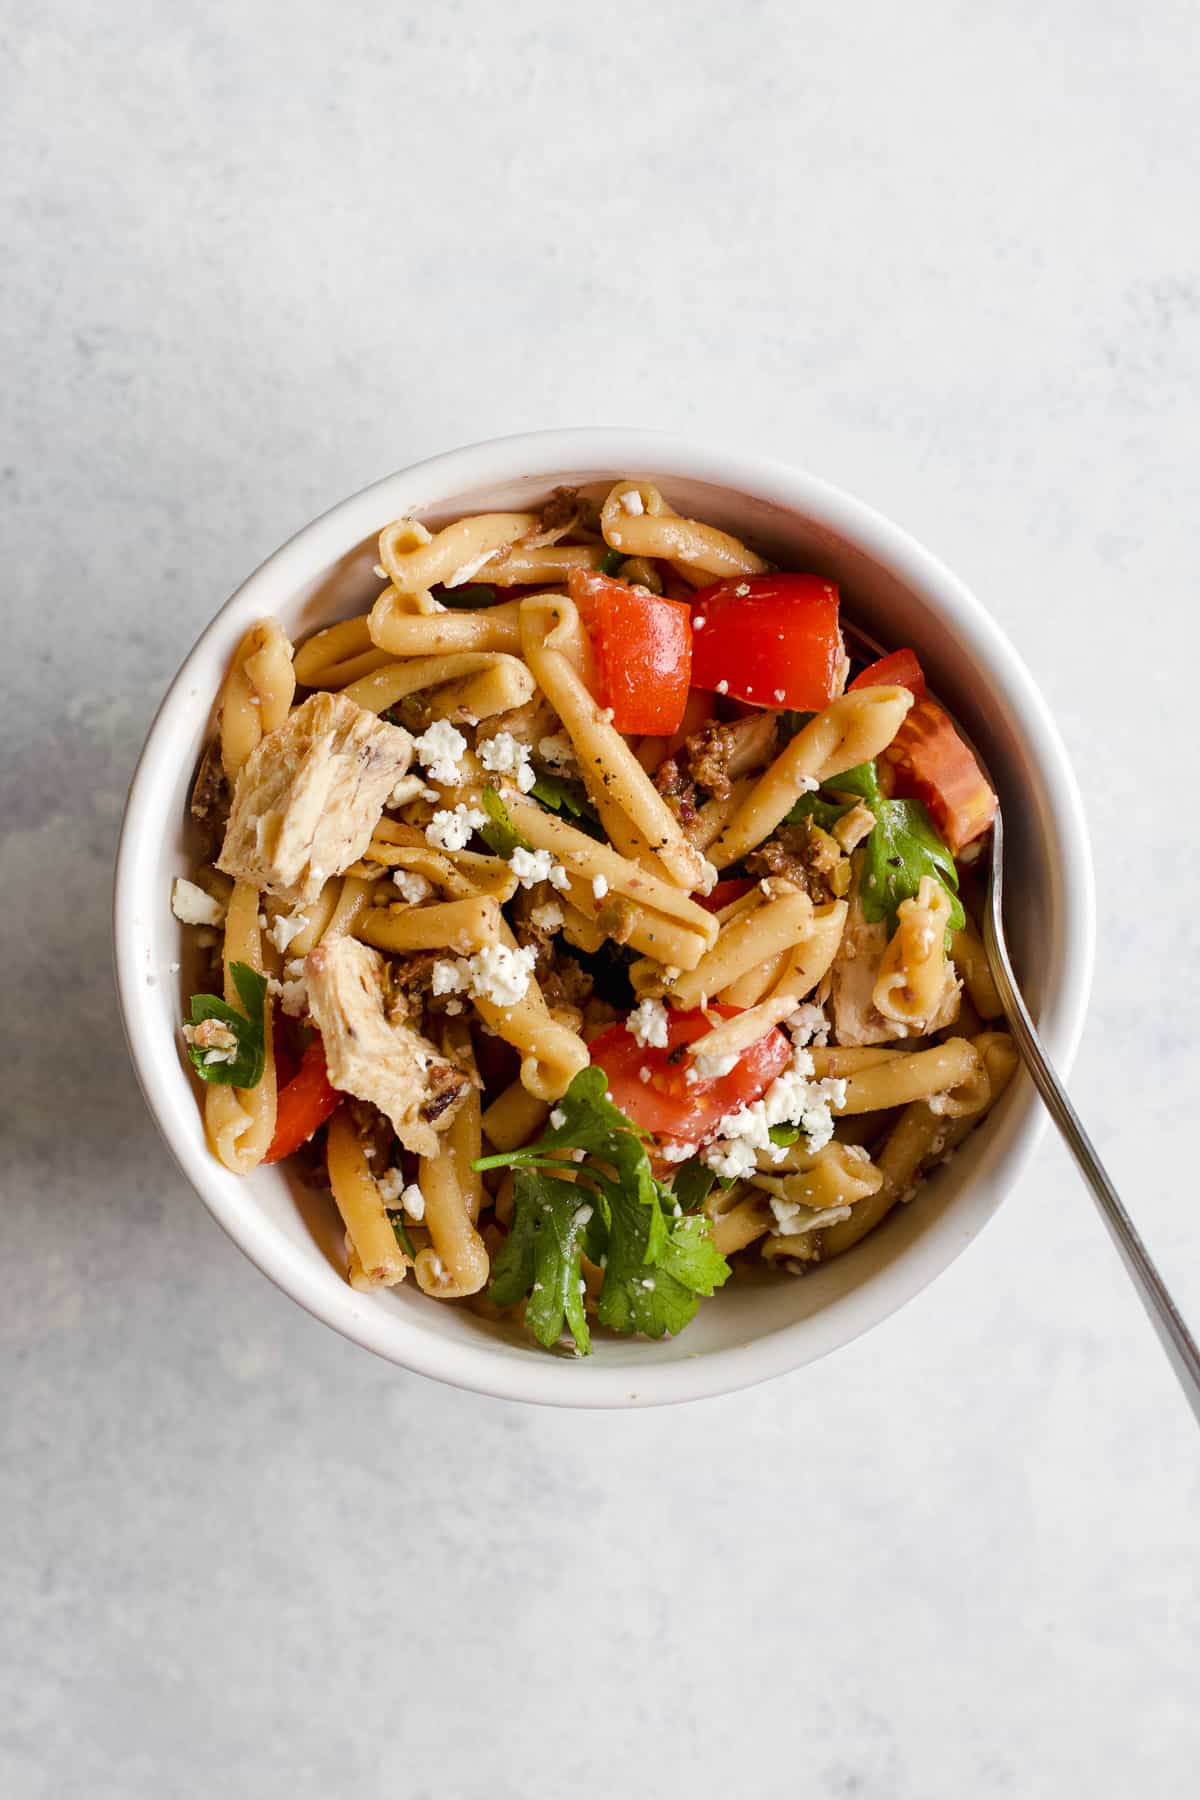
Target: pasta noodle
<point>451,1009</point>
<point>851,730</point>
<point>257,693</point>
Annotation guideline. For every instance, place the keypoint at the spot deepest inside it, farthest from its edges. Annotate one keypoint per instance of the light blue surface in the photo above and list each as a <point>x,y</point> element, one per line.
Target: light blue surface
<point>951,263</point>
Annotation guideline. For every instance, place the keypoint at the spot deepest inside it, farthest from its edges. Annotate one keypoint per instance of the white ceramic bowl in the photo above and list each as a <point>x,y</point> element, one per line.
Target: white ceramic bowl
<point>899,593</point>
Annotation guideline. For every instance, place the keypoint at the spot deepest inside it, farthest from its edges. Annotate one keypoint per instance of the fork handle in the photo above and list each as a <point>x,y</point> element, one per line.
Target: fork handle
<point>1161,1309</point>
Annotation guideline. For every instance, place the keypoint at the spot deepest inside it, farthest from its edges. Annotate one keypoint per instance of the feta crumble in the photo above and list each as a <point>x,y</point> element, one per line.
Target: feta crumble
<point>506,755</point>
<point>451,830</point>
<point>532,866</point>
<point>546,917</point>
<point>677,1153</point>
<point>192,906</point>
<point>722,687</point>
<point>558,751</point>
<point>496,973</point>
<point>413,887</point>
<point>286,927</point>
<point>793,1098</point>
<point>599,886</point>
<point>647,1024</point>
<point>632,503</point>
<point>558,1119</point>
<point>440,750</point>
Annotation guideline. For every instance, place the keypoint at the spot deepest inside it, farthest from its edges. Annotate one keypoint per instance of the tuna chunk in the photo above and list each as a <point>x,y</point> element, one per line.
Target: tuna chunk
<point>394,1068</point>
<point>309,796</point>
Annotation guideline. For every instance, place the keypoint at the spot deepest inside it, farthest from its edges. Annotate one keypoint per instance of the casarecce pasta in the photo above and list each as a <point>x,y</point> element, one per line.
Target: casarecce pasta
<point>577,920</point>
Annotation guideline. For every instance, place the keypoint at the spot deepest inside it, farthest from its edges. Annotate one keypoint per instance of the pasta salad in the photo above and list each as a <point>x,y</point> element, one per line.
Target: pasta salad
<point>587,919</point>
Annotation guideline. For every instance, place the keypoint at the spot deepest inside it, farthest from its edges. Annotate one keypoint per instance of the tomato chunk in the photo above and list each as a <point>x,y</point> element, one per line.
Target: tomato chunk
<point>667,1104</point>
<point>303,1105</point>
<point>770,639</point>
<point>932,764</point>
<point>642,644</point>
<point>725,892</point>
<point>899,669</point>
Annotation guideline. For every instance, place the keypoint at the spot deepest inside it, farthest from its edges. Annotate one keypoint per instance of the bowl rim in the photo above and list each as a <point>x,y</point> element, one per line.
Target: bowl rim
<point>497,1369</point>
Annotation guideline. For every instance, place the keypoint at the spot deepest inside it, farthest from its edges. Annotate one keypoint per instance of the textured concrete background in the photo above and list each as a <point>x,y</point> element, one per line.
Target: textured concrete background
<point>258,255</point>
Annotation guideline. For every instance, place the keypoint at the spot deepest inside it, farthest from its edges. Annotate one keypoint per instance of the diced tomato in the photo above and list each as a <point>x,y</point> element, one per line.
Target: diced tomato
<point>899,669</point>
<point>725,893</point>
<point>770,639</point>
<point>667,1104</point>
<point>931,763</point>
<point>304,1104</point>
<point>643,648</point>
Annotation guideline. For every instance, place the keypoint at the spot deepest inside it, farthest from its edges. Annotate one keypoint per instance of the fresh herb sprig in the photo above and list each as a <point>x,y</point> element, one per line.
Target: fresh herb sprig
<point>248,1028</point>
<point>656,1266</point>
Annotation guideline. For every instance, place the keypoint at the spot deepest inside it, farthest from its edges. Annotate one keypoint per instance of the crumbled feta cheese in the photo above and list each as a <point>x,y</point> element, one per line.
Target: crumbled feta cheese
<point>793,1098</point>
<point>742,589</point>
<point>631,502</point>
<point>676,1153</point>
<point>599,886</point>
<point>410,787</point>
<point>711,1068</point>
<point>644,1073</point>
<point>558,751</point>
<point>440,750</point>
<point>413,887</point>
<point>647,1024</point>
<point>559,878</point>
<point>558,1119</point>
<point>722,687</point>
<point>391,1186</point>
<point>506,755</point>
<point>286,927</point>
<point>807,1024</point>
<point>496,973</point>
<point>215,1038</point>
<point>532,866</point>
<point>779,692</point>
<point>192,906</point>
<point>546,917</point>
<point>413,1202</point>
<point>698,622</point>
<point>450,830</point>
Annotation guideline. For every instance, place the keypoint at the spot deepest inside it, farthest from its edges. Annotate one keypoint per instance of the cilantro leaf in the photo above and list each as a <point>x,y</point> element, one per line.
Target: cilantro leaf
<point>541,1257</point>
<point>555,795</point>
<point>500,834</point>
<point>656,1268</point>
<point>248,1028</point>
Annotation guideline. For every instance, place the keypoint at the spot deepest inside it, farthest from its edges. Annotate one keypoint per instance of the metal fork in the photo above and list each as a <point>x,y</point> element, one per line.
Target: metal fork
<point>1164,1315</point>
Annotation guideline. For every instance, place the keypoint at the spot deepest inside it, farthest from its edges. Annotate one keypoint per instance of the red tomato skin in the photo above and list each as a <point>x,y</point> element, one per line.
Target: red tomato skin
<point>899,669</point>
<point>725,892</point>
<point>773,640</point>
<point>303,1105</point>
<point>642,644</point>
<point>930,763</point>
<point>668,1105</point>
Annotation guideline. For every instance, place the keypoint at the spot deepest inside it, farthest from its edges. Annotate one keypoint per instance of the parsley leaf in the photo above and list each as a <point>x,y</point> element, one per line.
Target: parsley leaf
<point>500,834</point>
<point>693,1183</point>
<point>248,1028</point>
<point>541,1257</point>
<point>556,795</point>
<point>656,1268</point>
<point>611,561</point>
<point>789,724</point>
